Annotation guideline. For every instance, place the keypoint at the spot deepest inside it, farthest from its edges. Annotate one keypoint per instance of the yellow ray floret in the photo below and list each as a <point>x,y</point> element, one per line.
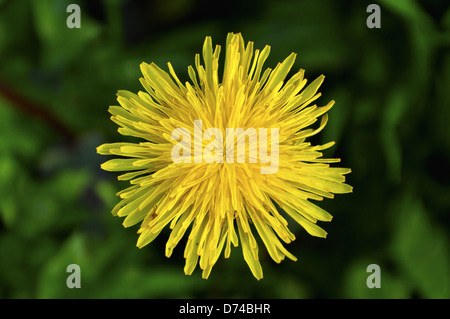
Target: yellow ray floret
<point>223,203</point>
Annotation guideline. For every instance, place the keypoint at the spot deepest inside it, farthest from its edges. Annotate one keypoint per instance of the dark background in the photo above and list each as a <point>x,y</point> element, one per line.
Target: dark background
<point>390,124</point>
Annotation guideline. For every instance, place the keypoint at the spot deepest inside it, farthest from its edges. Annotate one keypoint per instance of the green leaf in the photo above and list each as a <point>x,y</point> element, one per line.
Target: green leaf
<point>338,116</point>
<point>421,249</point>
<point>107,190</point>
<point>395,107</point>
<point>8,210</point>
<point>61,44</point>
<point>52,279</point>
<point>72,181</point>
<point>134,281</point>
<point>355,282</point>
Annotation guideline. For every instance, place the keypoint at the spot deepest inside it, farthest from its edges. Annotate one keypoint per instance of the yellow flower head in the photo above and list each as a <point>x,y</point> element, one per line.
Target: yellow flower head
<point>223,159</point>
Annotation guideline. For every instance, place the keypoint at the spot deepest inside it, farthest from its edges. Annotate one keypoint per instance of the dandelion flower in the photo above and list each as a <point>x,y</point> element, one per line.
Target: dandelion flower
<point>223,202</point>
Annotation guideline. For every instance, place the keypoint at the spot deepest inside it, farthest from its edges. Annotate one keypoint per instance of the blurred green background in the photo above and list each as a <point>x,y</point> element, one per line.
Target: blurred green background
<point>390,124</point>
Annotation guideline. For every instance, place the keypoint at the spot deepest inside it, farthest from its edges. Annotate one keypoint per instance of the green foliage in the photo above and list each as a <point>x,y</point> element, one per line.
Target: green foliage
<point>421,249</point>
<point>389,123</point>
<point>355,287</point>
